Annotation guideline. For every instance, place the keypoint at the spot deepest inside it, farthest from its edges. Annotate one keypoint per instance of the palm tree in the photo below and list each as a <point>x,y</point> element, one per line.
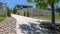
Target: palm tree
<point>42,4</point>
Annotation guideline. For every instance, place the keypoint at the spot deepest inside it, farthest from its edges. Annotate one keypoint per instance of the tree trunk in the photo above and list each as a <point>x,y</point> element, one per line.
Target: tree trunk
<point>53,14</point>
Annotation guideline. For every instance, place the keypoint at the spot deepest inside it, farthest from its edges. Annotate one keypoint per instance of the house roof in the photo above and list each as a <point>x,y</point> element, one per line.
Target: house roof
<point>23,5</point>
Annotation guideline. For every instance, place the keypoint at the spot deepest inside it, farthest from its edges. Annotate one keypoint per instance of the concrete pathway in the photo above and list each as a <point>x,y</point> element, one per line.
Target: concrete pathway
<point>27,25</point>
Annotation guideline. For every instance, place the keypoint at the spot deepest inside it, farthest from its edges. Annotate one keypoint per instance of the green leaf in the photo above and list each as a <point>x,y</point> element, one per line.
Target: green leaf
<point>43,3</point>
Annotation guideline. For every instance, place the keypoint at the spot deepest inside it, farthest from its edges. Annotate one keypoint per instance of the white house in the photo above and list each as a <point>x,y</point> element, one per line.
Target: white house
<point>33,12</point>
<point>3,8</point>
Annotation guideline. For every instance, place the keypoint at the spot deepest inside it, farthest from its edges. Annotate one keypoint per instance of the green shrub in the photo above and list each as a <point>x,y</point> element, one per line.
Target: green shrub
<point>24,13</point>
<point>14,10</point>
<point>8,12</point>
<point>27,14</point>
<point>18,13</point>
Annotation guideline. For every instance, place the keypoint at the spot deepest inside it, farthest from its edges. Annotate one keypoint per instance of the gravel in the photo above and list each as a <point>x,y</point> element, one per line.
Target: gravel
<point>8,26</point>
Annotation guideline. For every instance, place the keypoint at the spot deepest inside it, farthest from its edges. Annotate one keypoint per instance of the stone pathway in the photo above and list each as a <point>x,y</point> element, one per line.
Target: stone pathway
<point>8,26</point>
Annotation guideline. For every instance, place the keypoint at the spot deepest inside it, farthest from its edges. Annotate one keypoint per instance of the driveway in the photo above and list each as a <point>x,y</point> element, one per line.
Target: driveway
<point>27,25</point>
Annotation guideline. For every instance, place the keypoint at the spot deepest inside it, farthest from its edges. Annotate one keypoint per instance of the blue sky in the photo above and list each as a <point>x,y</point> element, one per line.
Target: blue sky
<point>12,3</point>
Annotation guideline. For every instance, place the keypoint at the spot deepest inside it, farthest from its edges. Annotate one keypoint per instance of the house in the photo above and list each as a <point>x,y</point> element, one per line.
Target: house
<point>23,8</point>
<point>33,12</point>
<point>3,9</point>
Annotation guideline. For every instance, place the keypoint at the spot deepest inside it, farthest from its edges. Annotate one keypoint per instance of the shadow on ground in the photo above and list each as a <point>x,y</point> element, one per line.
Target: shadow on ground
<point>35,29</point>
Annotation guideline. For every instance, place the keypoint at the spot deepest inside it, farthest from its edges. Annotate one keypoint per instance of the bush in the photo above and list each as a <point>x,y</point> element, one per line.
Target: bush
<point>14,10</point>
<point>8,12</point>
<point>17,13</point>
<point>24,13</point>
<point>27,14</point>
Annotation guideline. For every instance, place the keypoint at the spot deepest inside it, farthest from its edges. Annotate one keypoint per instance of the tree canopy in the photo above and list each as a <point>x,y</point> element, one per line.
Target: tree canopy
<point>43,3</point>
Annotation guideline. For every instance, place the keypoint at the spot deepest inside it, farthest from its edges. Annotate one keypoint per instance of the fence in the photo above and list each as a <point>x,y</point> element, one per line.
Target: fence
<point>36,12</point>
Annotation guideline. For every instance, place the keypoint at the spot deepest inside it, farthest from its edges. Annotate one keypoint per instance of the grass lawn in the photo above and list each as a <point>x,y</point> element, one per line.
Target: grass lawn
<point>57,17</point>
<point>49,17</point>
<point>2,18</point>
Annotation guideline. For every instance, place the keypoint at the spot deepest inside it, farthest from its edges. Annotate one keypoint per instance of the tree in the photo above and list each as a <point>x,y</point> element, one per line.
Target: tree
<point>44,4</point>
<point>14,10</point>
<point>58,10</point>
<point>8,12</point>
